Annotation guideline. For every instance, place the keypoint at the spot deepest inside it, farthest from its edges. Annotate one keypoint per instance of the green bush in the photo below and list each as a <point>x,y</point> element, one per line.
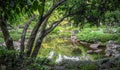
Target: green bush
<point>118,29</point>
<point>1,40</point>
<point>1,35</point>
<point>95,35</point>
<point>13,60</point>
<point>88,66</point>
<point>15,37</point>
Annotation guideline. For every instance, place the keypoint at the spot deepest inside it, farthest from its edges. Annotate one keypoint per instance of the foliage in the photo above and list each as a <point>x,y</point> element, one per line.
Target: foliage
<point>88,66</point>
<point>88,11</point>
<point>57,30</point>
<point>1,40</point>
<point>95,11</point>
<point>14,60</point>
<point>118,30</point>
<point>96,35</point>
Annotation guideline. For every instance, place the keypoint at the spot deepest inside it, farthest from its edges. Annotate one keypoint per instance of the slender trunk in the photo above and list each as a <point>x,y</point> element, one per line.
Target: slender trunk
<point>40,38</point>
<point>37,26</point>
<point>37,46</point>
<point>33,36</point>
<point>24,33</point>
<point>43,33</point>
<point>7,38</point>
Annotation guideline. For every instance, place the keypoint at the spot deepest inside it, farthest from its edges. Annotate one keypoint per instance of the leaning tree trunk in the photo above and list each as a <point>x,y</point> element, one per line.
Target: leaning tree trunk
<point>40,38</point>
<point>33,36</point>
<point>37,46</point>
<point>22,45</point>
<point>7,38</point>
<point>38,25</point>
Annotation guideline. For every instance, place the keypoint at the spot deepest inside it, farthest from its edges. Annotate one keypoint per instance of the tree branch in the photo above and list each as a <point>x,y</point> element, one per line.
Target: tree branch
<point>7,38</point>
<point>24,33</point>
<point>54,7</point>
<point>54,24</point>
<point>37,26</point>
<point>40,38</point>
<point>34,32</point>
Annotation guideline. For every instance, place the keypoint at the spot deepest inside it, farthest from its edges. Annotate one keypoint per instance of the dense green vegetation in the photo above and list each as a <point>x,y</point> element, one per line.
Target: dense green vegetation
<point>81,30</point>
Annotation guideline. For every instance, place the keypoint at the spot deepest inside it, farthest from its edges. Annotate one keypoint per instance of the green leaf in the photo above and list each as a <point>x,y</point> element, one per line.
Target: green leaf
<point>40,9</point>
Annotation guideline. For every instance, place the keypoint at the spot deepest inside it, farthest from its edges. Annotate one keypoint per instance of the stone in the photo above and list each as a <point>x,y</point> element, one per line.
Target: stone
<point>59,59</point>
<point>16,45</point>
<point>71,58</point>
<point>51,54</point>
<point>112,49</point>
<point>3,67</point>
<point>90,51</point>
<point>98,51</point>
<point>59,68</point>
<point>94,46</point>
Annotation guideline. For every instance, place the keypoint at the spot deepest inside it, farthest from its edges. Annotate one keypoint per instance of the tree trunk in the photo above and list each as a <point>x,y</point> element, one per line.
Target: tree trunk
<point>24,33</point>
<point>38,25</point>
<point>33,36</point>
<point>7,38</point>
<point>37,46</point>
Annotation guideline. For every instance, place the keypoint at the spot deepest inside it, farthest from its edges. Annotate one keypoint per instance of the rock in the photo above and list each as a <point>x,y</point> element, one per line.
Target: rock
<point>94,51</point>
<point>2,67</point>
<point>84,44</point>
<point>2,44</point>
<point>51,55</point>
<point>90,51</point>
<point>59,68</point>
<point>98,51</point>
<point>94,46</point>
<point>16,45</point>
<point>59,59</point>
<point>9,28</point>
<point>112,49</point>
<point>71,58</point>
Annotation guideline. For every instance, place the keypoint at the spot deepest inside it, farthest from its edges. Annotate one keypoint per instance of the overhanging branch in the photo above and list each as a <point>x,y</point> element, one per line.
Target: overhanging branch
<point>54,24</point>
<point>54,7</point>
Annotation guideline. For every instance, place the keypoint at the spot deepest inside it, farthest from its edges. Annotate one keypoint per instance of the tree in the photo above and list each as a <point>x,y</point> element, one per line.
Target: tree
<point>96,11</point>
<point>8,7</point>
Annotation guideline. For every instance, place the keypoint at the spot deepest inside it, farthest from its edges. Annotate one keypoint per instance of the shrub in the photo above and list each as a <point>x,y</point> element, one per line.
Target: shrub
<point>1,40</point>
<point>13,60</point>
<point>118,29</point>
<point>88,66</point>
<point>95,35</point>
